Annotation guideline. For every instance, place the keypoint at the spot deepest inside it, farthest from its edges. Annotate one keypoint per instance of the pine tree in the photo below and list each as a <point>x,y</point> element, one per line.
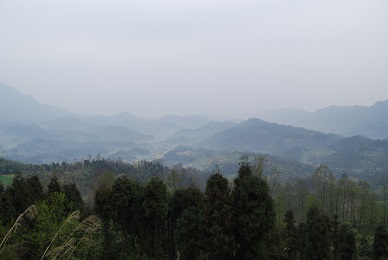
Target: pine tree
<point>103,209</point>
<point>219,242</point>
<point>290,236</point>
<point>334,235</point>
<point>155,206</point>
<point>346,242</point>
<point>380,243</point>
<point>183,199</point>
<point>253,213</point>
<point>53,186</point>
<point>317,235</point>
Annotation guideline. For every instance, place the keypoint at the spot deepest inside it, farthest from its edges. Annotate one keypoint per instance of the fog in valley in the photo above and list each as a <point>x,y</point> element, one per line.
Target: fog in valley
<point>218,59</point>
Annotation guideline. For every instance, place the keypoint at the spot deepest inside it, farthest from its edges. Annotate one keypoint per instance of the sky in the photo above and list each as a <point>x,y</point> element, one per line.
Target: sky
<point>214,58</point>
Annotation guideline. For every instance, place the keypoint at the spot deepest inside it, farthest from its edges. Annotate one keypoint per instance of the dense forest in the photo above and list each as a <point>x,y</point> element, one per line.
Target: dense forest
<point>100,209</point>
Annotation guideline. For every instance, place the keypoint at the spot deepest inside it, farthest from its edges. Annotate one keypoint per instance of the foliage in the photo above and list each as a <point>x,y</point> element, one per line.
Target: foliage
<point>290,236</point>
<point>346,242</point>
<point>317,235</point>
<point>253,213</point>
<point>217,214</point>
<point>380,243</point>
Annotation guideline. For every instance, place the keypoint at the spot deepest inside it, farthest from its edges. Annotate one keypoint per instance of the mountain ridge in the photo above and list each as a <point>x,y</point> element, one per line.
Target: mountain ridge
<point>368,121</point>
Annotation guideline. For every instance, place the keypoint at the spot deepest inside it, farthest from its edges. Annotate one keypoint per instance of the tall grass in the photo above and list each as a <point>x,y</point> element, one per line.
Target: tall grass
<point>73,216</point>
<point>30,213</point>
<point>84,231</point>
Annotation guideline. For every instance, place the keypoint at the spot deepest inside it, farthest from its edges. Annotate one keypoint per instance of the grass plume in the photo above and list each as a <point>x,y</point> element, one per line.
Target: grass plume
<point>73,216</point>
<point>86,228</point>
<point>30,213</point>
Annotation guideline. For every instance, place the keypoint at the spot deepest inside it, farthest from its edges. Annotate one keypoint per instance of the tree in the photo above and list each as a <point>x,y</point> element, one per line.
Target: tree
<point>182,199</point>
<point>122,199</point>
<point>155,207</point>
<point>174,180</point>
<point>36,188</point>
<point>335,224</point>
<point>74,197</point>
<point>253,213</point>
<point>380,243</point>
<point>322,178</point>
<point>103,209</point>
<point>317,235</point>
<point>53,186</point>
<point>346,242</point>
<point>217,215</point>
<point>20,194</point>
<point>290,236</point>
<point>188,234</point>
<point>259,166</point>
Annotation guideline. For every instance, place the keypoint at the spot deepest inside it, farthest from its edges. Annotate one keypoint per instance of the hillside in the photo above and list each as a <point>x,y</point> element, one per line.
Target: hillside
<point>347,120</point>
<point>42,134</point>
<point>16,107</point>
<point>255,135</point>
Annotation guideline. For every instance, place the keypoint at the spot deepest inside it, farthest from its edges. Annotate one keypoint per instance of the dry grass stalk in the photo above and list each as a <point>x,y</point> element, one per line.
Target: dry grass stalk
<point>29,213</point>
<point>86,238</point>
<point>73,216</point>
<point>88,226</point>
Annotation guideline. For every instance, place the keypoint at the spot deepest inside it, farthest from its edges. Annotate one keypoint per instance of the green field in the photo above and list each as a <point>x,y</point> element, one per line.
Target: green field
<point>7,179</point>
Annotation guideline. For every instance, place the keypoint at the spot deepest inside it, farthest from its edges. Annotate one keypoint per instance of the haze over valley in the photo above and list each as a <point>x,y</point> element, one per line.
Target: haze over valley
<point>193,129</point>
<point>350,138</point>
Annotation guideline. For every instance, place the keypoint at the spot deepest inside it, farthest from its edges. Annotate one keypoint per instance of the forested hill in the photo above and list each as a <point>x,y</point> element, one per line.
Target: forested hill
<point>256,135</point>
<point>347,120</point>
<point>45,213</point>
<point>34,133</point>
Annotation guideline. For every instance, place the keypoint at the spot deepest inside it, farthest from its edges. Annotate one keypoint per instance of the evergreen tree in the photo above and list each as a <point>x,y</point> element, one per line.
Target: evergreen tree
<point>335,236</point>
<point>53,186</point>
<point>380,243</point>
<point>74,197</point>
<point>155,206</point>
<point>188,234</point>
<point>36,188</point>
<point>20,194</point>
<point>317,235</point>
<point>7,210</point>
<point>103,209</point>
<point>290,236</point>
<point>253,213</point>
<point>346,242</point>
<point>217,215</point>
<point>185,198</point>
<point>122,199</point>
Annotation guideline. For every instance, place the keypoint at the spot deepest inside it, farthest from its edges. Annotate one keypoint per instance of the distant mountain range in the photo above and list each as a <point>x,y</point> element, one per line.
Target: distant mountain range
<point>16,107</point>
<point>348,120</point>
<point>339,136</point>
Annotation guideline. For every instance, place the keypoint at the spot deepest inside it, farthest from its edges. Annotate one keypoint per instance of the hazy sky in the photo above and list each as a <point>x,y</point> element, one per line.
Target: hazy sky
<point>209,57</point>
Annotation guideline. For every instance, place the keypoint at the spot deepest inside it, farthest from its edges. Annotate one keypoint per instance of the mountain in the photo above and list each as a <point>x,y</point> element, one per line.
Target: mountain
<point>195,136</point>
<point>255,135</point>
<point>35,133</point>
<point>185,122</point>
<point>346,120</point>
<point>358,152</point>
<point>17,107</point>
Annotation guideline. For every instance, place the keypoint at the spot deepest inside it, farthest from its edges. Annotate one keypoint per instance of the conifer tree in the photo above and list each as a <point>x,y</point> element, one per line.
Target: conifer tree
<point>290,236</point>
<point>183,199</point>
<point>155,206</point>
<point>219,242</point>
<point>334,235</point>
<point>253,213</point>
<point>317,235</point>
<point>380,243</point>
<point>346,242</point>
<point>53,185</point>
